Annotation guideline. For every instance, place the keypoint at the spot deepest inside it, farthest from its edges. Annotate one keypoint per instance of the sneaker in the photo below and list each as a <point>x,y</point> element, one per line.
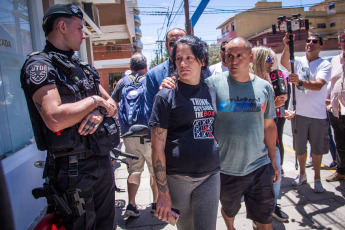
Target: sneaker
<point>132,211</point>
<point>318,186</point>
<point>309,162</point>
<point>279,215</point>
<point>335,177</point>
<point>300,179</point>
<point>333,165</point>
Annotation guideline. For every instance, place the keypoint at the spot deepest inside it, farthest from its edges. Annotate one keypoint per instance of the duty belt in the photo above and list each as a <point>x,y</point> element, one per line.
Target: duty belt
<point>63,153</point>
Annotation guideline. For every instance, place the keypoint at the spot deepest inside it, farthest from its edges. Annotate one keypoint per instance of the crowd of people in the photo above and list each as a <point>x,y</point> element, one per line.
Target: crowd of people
<point>216,131</point>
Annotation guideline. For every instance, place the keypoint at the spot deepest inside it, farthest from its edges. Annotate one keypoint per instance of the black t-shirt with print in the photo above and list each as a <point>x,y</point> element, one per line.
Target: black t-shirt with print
<point>188,113</point>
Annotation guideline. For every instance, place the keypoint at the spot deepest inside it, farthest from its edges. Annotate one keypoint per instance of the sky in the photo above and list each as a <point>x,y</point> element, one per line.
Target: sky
<point>154,27</point>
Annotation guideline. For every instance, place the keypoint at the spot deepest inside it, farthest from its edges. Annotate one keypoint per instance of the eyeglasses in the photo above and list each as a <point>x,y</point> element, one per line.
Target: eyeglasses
<point>269,59</point>
<point>222,48</point>
<point>312,40</point>
<point>172,44</point>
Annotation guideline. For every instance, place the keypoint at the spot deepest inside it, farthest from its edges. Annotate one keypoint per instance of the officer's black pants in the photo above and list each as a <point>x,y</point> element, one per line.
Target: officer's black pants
<point>96,181</point>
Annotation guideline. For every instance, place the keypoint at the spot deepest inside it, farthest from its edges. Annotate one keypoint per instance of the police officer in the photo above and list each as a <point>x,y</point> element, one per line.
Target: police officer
<point>71,115</point>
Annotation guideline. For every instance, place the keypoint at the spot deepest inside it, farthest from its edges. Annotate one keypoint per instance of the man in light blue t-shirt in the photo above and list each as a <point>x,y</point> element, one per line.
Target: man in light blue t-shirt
<point>246,133</point>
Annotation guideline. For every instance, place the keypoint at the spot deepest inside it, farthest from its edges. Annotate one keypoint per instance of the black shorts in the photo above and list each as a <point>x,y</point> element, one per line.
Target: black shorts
<point>257,189</point>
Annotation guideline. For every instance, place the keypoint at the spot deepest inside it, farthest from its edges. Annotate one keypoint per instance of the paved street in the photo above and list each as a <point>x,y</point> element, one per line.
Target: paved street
<point>307,209</point>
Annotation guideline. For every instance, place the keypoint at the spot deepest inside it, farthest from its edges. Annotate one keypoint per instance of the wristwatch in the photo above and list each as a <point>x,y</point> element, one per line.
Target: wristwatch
<point>300,83</point>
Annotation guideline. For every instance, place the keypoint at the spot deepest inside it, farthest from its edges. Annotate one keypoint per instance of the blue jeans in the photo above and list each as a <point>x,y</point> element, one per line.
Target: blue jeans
<point>276,186</point>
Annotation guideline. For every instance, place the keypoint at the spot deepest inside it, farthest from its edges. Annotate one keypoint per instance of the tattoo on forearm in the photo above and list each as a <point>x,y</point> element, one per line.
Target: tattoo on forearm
<point>161,178</point>
<point>158,133</point>
<point>38,106</point>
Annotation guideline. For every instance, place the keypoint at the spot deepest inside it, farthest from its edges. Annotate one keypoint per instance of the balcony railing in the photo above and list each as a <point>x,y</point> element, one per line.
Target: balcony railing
<point>138,32</point>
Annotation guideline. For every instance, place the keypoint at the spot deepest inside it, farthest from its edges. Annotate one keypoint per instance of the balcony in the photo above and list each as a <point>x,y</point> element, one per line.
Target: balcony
<point>137,20</point>
<point>139,45</point>
<point>138,32</point>
<point>227,35</point>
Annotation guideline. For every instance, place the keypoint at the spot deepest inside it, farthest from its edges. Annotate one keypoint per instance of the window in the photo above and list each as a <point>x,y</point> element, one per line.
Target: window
<point>321,25</point>
<point>15,44</point>
<point>232,27</point>
<point>332,24</point>
<point>264,41</point>
<point>331,5</point>
<point>114,48</point>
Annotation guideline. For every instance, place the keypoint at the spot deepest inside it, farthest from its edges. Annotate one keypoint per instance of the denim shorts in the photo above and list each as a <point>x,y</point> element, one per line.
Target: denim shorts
<point>257,189</point>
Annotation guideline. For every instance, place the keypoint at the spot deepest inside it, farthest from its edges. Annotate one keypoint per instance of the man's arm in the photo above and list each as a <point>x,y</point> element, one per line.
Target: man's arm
<point>317,84</point>
<point>285,58</point>
<point>58,116</point>
<point>158,140</point>
<point>270,131</point>
<point>150,92</point>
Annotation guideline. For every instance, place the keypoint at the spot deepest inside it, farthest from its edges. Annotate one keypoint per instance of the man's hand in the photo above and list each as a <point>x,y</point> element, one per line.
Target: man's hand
<point>90,123</point>
<point>163,207</point>
<point>279,100</point>
<point>289,114</point>
<point>276,173</point>
<point>293,78</point>
<point>111,108</point>
<point>286,39</point>
<point>168,82</point>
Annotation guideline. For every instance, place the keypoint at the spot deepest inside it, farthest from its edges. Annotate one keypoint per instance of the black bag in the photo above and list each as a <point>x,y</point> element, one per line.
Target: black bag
<point>106,137</point>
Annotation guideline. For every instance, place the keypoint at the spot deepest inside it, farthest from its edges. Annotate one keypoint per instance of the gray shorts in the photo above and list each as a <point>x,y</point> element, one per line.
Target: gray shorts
<point>313,130</point>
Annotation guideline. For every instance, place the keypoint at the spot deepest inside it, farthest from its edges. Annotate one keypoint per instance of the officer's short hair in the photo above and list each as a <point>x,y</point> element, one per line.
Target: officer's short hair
<point>166,36</point>
<point>59,11</point>
<point>138,62</point>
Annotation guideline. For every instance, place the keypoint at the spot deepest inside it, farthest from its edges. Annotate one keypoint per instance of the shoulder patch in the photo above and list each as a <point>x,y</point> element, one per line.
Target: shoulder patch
<point>38,73</point>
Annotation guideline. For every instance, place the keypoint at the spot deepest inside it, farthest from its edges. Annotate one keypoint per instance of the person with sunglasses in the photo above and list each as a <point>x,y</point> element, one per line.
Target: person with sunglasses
<point>155,76</point>
<point>264,62</point>
<point>312,74</point>
<point>220,67</point>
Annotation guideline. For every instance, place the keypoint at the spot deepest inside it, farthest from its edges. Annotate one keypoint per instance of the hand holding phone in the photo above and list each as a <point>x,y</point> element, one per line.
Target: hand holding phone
<point>174,212</point>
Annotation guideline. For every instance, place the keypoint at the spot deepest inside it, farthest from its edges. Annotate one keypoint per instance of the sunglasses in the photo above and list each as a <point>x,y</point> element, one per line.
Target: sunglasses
<point>172,44</point>
<point>269,59</point>
<point>312,40</point>
<point>222,48</point>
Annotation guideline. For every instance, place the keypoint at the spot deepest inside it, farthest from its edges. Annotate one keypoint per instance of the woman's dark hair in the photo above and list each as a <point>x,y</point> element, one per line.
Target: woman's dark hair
<point>198,47</point>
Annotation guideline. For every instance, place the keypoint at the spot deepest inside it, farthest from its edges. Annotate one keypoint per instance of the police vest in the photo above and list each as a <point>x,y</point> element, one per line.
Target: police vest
<point>75,81</point>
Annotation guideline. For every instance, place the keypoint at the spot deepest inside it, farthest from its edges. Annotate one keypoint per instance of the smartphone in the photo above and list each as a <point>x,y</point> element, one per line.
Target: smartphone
<point>174,212</point>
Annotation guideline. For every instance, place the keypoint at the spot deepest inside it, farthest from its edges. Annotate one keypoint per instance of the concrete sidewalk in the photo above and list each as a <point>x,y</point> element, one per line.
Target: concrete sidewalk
<point>306,209</point>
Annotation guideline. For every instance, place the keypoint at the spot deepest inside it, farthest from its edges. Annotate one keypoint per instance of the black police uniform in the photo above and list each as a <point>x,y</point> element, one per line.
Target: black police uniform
<point>78,167</point>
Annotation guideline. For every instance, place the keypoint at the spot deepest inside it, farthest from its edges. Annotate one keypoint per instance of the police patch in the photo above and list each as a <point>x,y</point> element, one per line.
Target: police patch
<point>38,73</point>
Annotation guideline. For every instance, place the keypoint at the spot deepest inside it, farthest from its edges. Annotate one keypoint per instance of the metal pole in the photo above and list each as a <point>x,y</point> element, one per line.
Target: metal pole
<point>292,60</point>
<point>186,12</point>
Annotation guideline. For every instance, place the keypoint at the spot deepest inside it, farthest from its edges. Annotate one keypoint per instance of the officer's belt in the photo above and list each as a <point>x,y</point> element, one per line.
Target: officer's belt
<point>63,153</point>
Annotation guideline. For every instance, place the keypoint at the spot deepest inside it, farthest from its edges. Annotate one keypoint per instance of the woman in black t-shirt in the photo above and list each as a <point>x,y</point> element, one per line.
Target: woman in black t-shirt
<point>184,150</point>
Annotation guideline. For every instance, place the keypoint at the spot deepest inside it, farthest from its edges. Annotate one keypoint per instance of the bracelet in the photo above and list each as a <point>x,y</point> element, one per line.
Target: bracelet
<point>95,100</point>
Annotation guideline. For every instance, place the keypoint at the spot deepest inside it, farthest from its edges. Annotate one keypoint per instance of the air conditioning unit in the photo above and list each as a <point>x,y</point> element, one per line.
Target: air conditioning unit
<point>91,10</point>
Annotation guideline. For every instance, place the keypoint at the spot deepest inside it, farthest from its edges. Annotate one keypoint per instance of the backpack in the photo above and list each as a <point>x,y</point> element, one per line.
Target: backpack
<point>132,106</point>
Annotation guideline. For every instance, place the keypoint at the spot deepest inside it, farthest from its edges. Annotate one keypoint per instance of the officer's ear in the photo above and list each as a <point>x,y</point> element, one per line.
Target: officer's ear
<point>62,26</point>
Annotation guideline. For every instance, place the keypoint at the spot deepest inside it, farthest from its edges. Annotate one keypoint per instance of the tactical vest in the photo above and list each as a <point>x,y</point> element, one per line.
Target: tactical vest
<point>72,86</point>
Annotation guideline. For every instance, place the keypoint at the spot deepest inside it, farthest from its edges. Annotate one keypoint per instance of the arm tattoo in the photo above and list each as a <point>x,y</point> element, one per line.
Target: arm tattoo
<point>158,133</point>
<point>161,178</point>
<point>38,106</point>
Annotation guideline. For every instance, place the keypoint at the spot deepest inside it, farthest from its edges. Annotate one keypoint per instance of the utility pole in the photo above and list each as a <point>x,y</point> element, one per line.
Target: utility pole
<point>186,12</point>
<point>161,48</point>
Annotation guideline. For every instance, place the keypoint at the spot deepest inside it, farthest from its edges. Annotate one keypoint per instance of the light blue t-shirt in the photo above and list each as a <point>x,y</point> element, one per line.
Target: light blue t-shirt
<point>242,108</point>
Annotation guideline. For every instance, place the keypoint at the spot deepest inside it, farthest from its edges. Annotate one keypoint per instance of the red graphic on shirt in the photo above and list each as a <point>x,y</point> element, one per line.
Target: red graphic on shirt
<point>263,109</point>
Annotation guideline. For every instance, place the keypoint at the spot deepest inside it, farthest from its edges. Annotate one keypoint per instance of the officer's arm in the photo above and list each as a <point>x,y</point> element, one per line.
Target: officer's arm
<point>58,116</point>
<point>110,100</point>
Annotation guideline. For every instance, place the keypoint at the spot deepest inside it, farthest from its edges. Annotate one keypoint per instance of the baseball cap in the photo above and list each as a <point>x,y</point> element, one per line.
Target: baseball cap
<point>64,9</point>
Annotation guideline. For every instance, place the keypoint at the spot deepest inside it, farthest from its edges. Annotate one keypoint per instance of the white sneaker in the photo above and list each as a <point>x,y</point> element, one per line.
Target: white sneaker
<point>300,179</point>
<point>309,162</point>
<point>318,186</point>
